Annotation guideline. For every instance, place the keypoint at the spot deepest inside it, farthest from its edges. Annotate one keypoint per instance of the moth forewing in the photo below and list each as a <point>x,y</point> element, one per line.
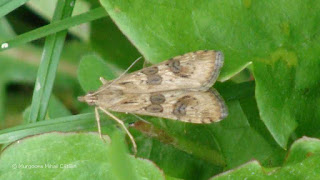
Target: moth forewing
<point>194,71</point>
<point>183,105</point>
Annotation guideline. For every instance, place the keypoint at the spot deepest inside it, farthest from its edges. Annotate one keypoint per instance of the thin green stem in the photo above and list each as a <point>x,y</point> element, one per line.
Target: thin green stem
<point>55,27</point>
<point>65,124</point>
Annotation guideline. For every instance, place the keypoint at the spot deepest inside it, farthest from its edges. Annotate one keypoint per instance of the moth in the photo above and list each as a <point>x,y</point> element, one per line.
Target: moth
<point>178,89</point>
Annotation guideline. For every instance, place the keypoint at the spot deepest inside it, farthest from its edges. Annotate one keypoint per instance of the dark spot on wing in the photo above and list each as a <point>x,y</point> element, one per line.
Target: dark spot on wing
<point>150,70</point>
<point>154,108</point>
<point>124,83</point>
<point>157,99</point>
<point>180,107</point>
<point>154,79</point>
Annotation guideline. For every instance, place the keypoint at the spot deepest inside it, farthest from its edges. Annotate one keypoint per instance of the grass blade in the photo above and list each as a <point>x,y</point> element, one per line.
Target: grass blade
<point>55,27</point>
<point>65,124</point>
<point>48,65</point>
<point>8,6</point>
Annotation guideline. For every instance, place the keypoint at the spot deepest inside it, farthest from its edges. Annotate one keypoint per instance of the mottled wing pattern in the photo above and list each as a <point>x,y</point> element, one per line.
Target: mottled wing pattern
<point>188,106</point>
<point>194,71</point>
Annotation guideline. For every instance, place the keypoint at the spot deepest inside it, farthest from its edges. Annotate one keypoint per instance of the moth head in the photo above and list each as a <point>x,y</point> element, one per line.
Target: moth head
<point>90,98</point>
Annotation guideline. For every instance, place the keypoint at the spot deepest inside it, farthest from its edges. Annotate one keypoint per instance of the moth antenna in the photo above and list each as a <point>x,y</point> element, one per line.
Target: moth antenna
<point>124,127</point>
<point>134,62</point>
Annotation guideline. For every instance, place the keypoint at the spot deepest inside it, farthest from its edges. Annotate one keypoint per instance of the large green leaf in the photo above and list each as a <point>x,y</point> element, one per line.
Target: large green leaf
<point>111,44</point>
<point>301,163</point>
<point>70,156</point>
<point>165,29</point>
<point>287,92</point>
<point>281,38</point>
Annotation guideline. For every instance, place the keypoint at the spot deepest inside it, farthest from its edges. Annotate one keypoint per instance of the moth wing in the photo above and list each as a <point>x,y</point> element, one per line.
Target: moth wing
<point>187,106</point>
<point>194,71</point>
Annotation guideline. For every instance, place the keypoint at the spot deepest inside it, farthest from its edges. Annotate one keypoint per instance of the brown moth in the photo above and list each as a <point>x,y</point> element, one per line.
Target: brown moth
<point>178,89</point>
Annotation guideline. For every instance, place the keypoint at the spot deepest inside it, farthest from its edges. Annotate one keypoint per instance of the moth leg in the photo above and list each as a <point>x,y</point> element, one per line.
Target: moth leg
<point>124,127</point>
<point>103,80</point>
<point>140,118</point>
<point>98,122</point>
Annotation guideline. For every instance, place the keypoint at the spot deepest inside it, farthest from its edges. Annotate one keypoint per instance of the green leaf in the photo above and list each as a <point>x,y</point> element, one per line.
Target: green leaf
<point>238,140</point>
<point>118,158</point>
<point>169,28</point>
<point>182,143</point>
<point>301,163</point>
<point>56,109</point>
<point>287,92</point>
<point>91,68</point>
<point>108,41</point>
<point>273,103</point>
<point>173,159</point>
<point>82,155</point>
<point>281,39</point>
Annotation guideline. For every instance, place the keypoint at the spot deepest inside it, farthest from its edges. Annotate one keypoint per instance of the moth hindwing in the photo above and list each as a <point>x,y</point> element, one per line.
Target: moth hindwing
<point>176,89</point>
